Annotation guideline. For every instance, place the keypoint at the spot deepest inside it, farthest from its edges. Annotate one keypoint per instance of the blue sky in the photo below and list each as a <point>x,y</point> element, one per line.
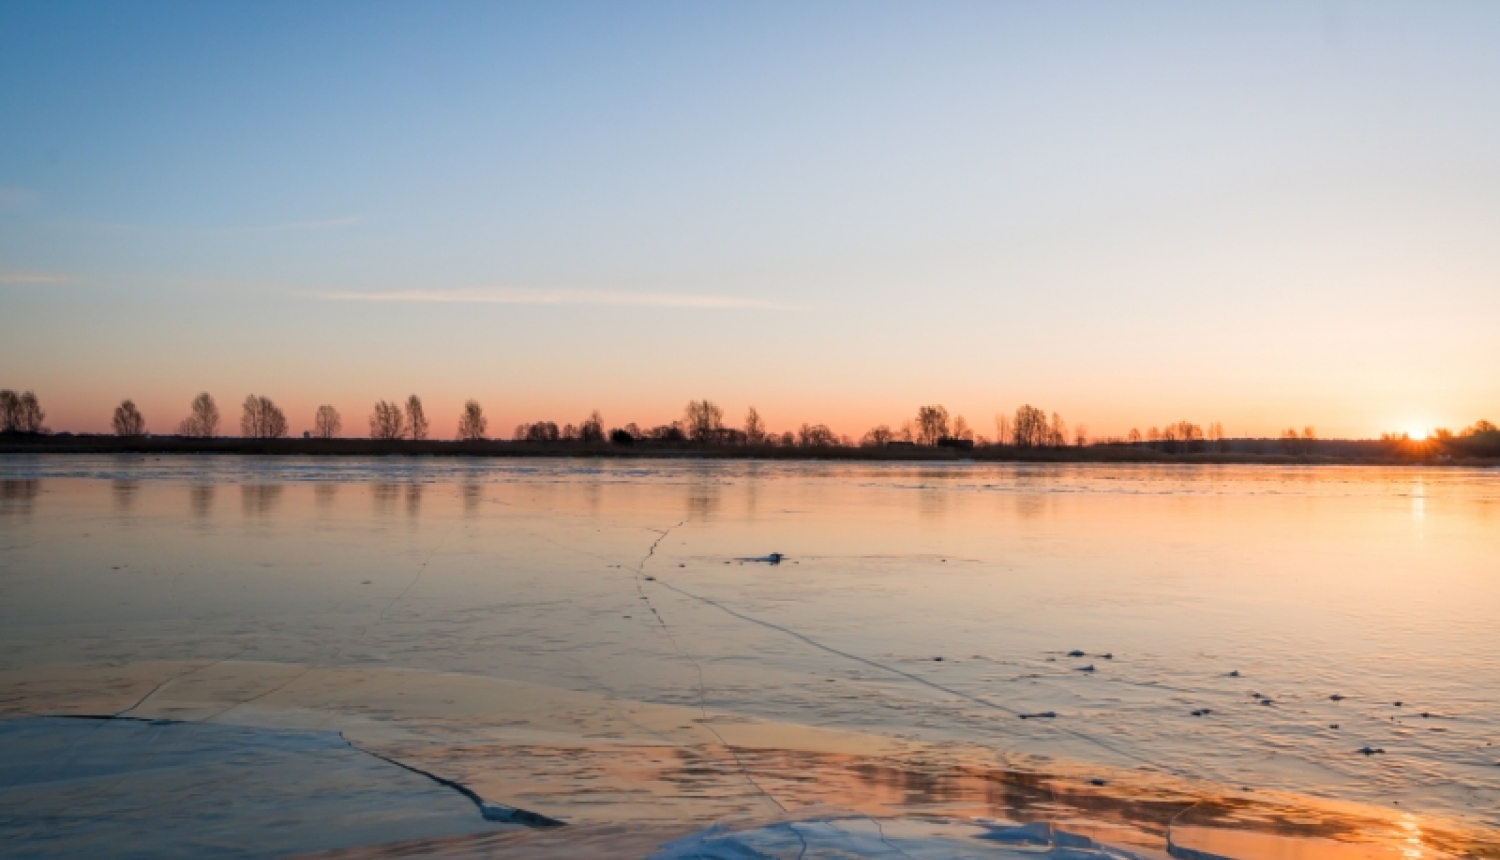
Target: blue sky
<point>1260,214</point>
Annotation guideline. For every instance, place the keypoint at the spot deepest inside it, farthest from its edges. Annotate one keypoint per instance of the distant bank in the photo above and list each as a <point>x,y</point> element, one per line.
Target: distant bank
<point>1267,451</point>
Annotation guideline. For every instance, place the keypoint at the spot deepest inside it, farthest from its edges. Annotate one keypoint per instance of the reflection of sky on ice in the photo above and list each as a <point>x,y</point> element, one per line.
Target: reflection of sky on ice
<point>1373,584</point>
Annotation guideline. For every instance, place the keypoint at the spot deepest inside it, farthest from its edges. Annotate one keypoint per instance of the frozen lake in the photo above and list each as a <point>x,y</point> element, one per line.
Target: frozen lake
<point>581,639</point>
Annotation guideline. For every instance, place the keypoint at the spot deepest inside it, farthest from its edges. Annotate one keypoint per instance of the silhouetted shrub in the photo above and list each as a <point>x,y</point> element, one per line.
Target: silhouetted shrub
<point>667,433</point>
<point>541,431</point>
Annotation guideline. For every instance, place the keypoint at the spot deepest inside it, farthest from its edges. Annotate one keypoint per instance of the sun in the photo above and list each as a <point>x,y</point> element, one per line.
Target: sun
<point>1419,434</point>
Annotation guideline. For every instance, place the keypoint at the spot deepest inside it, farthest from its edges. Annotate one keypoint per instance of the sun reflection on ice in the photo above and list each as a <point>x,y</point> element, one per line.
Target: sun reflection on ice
<point>1413,837</point>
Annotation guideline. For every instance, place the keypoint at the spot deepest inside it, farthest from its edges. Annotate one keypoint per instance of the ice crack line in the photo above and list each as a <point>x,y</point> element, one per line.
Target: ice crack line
<point>978,700</point>
<point>640,571</point>
<point>1172,846</point>
<point>154,690</point>
<point>420,570</point>
<point>651,550</point>
<point>490,811</point>
<point>120,715</point>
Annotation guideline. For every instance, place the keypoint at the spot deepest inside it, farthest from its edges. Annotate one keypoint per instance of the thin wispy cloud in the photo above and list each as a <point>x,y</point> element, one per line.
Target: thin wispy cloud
<point>606,298</point>
<point>33,278</point>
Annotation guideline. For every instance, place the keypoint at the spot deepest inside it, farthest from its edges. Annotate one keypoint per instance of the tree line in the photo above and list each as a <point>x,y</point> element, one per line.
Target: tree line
<point>703,423</point>
<point>1481,439</point>
<point>1182,437</point>
<point>261,418</point>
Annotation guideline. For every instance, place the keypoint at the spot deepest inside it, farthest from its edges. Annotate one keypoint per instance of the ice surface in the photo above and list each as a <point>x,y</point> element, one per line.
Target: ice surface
<point>137,788</point>
<point>576,638</point>
<point>859,837</point>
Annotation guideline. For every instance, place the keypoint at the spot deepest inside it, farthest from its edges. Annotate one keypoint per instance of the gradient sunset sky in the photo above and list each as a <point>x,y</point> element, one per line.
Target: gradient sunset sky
<point>1260,214</point>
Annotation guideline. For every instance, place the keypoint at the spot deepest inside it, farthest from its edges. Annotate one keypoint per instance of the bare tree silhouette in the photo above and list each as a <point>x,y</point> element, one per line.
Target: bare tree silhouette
<point>665,433</point>
<point>10,412</point>
<point>541,431</point>
<point>1309,435</point>
<point>1481,438</point>
<point>1057,436</point>
<point>1134,437</point>
<point>755,429</point>
<point>128,420</point>
<point>327,423</point>
<point>1215,435</point>
<point>961,429</point>
<point>816,436</point>
<point>203,418</point>
<point>1290,442</point>
<point>471,422</point>
<point>592,430</point>
<point>21,413</point>
<point>261,419</point>
<point>1183,437</point>
<point>31,414</point>
<point>387,421</point>
<point>877,437</point>
<point>416,419</point>
<point>931,425</point>
<point>702,420</point>
<point>1003,434</point>
<point>1030,429</point>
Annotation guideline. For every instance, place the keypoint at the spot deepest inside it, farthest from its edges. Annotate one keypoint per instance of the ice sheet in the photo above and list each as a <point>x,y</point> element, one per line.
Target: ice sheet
<point>138,788</point>
<point>916,610</point>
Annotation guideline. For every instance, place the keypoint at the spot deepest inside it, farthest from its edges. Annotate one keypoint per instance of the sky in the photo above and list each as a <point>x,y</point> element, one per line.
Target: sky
<point>1264,215</point>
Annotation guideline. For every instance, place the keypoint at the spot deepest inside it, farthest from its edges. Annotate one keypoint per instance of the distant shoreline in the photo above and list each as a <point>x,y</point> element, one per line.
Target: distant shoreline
<point>1242,451</point>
